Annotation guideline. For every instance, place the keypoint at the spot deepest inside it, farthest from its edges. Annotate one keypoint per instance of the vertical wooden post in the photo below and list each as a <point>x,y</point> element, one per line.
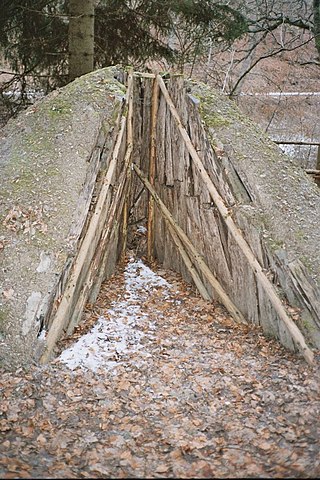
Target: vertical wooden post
<point>129,147</point>
<point>152,168</point>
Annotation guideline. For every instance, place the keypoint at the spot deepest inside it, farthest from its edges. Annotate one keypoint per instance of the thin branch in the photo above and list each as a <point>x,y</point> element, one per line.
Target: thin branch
<point>263,57</point>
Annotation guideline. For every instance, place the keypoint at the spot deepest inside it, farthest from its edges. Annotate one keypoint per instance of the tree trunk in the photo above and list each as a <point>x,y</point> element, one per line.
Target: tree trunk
<point>81,37</point>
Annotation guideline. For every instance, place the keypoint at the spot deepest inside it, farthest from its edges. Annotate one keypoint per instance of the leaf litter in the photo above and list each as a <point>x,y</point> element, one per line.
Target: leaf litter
<point>157,383</point>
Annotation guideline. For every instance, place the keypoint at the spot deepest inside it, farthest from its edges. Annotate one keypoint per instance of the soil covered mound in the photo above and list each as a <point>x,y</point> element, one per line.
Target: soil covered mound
<point>44,166</point>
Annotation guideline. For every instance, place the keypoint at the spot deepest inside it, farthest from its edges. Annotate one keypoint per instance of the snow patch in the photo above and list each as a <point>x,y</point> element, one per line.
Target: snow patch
<point>141,229</point>
<point>125,331</point>
<point>289,150</point>
<point>281,94</point>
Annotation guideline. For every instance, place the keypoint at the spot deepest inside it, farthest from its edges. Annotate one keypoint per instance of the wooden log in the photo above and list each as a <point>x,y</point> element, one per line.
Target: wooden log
<point>161,160</point>
<point>142,154</point>
<point>311,171</point>
<point>135,195</point>
<point>293,142</point>
<point>152,168</point>
<point>168,167</point>
<point>254,264</point>
<point>197,259</point>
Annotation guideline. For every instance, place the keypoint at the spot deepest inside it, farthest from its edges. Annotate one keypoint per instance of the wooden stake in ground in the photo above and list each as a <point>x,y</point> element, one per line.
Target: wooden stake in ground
<point>129,149</point>
<point>197,258</point>
<point>236,233</point>
<point>152,167</point>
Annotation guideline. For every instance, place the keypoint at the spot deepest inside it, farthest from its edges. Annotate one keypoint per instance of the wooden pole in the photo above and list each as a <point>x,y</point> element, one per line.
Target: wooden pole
<point>128,160</point>
<point>197,258</point>
<point>152,168</point>
<point>312,171</point>
<point>237,235</point>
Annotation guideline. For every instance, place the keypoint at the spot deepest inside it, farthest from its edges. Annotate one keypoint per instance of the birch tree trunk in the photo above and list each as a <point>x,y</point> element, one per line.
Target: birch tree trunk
<point>81,37</point>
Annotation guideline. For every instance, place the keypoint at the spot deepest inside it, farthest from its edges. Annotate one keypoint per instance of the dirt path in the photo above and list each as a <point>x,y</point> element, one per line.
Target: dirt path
<point>178,391</point>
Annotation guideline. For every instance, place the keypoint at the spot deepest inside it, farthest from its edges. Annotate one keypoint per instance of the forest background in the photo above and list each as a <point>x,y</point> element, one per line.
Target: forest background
<point>262,53</point>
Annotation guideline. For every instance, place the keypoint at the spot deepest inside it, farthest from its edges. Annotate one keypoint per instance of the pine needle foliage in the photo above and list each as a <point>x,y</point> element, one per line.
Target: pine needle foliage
<point>34,33</point>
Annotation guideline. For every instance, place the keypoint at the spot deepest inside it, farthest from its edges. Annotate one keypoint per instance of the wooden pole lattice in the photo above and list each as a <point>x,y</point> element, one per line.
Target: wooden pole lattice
<point>64,319</point>
<point>237,235</point>
<point>197,258</point>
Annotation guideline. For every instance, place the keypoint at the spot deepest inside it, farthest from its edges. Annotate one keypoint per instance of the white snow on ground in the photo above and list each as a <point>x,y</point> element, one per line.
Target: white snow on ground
<point>281,94</point>
<point>125,330</point>
<point>288,149</point>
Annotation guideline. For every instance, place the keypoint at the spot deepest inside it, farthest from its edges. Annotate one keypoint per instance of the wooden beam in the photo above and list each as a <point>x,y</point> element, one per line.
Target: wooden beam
<point>144,74</point>
<point>237,235</point>
<point>312,171</point>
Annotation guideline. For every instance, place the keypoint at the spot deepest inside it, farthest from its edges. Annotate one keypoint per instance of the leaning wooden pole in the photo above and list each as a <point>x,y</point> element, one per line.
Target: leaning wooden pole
<point>197,258</point>
<point>188,263</point>
<point>152,168</point>
<point>236,233</point>
<point>63,311</point>
<point>96,275</point>
<point>86,251</point>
